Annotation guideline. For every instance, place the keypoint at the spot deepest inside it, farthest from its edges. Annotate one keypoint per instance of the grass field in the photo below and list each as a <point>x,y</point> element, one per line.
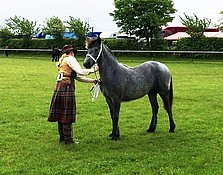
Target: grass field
<point>29,144</point>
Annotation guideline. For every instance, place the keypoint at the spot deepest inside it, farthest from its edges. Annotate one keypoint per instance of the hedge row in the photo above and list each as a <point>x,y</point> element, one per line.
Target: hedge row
<point>40,43</point>
<point>122,44</point>
<point>187,44</point>
<point>200,44</point>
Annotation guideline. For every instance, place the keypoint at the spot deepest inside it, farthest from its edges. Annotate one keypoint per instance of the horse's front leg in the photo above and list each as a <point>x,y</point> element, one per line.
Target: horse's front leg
<point>111,109</point>
<point>115,119</point>
<point>114,112</point>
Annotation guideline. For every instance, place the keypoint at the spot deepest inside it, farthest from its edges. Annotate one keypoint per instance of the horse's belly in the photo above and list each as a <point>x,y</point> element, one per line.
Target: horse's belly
<point>135,93</point>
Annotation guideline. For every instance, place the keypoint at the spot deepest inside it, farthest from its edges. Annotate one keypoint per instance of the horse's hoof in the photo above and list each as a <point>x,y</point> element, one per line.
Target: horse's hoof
<point>151,130</point>
<point>115,138</point>
<point>110,135</point>
<point>171,131</point>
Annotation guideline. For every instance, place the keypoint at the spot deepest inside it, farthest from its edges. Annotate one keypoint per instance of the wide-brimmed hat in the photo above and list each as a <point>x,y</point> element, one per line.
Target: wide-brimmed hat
<point>67,48</point>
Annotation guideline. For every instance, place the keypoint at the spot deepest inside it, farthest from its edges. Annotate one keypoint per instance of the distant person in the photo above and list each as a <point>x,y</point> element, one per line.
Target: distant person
<point>56,54</point>
<point>63,104</point>
<point>6,51</point>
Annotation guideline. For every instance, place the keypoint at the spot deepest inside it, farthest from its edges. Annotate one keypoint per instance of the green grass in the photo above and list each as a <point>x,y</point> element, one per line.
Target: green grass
<point>29,144</point>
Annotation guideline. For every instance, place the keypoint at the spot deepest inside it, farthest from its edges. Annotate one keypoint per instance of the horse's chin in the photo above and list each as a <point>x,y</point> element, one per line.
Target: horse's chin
<point>87,66</point>
<point>91,67</point>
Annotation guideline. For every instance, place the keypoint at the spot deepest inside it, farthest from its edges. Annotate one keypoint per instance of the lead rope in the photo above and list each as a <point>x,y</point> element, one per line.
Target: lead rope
<point>95,87</point>
<point>95,72</point>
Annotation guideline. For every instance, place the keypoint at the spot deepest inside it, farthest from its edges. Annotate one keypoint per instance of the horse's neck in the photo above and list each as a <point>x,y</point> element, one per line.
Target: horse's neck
<point>108,64</point>
<point>108,59</point>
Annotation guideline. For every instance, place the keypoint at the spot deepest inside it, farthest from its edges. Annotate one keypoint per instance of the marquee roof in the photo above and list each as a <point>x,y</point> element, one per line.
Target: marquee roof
<point>180,35</point>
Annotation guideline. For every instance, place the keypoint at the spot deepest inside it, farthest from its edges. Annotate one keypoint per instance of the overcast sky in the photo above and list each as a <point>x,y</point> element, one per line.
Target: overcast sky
<point>96,12</point>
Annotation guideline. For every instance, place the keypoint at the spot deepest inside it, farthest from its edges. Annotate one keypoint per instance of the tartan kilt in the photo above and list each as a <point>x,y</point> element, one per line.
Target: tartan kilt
<point>63,103</point>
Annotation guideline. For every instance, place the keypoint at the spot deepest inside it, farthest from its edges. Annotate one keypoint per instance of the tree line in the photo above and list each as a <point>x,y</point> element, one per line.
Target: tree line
<point>54,26</point>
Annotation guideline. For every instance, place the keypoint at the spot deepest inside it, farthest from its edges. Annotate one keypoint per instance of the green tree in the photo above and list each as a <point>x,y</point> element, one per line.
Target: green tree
<point>78,27</point>
<point>195,25</point>
<point>5,34</point>
<point>144,18</point>
<point>220,24</point>
<point>21,26</point>
<point>55,27</point>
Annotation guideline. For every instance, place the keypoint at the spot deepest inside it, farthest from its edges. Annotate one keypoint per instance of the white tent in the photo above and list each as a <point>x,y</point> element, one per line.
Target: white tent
<point>180,35</point>
<point>177,36</point>
<point>219,35</point>
<point>108,34</point>
<point>210,34</point>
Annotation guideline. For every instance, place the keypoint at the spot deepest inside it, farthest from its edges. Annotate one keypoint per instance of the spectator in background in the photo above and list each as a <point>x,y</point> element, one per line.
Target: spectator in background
<point>56,54</point>
<point>6,51</point>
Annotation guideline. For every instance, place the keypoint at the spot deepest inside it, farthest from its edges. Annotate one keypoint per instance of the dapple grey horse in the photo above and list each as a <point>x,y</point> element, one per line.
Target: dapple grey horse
<point>121,83</point>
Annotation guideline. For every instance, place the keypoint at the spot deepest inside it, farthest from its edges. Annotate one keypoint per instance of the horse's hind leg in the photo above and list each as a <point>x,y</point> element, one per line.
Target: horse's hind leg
<point>168,107</point>
<point>154,104</point>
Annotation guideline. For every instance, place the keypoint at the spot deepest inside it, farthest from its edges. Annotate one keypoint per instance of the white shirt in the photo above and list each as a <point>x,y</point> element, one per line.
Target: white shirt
<point>81,73</point>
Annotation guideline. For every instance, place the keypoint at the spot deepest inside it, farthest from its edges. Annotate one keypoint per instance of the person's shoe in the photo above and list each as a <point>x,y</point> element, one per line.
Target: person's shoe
<point>68,142</point>
<point>61,139</point>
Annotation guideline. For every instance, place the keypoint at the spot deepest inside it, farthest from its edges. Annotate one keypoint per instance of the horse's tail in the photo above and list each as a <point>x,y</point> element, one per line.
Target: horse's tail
<point>171,93</point>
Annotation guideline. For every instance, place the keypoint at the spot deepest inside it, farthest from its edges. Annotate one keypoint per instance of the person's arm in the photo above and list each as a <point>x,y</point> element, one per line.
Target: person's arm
<point>72,62</point>
<point>85,79</point>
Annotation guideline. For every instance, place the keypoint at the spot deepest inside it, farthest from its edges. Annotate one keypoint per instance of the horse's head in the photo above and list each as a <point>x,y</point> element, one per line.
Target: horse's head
<point>94,49</point>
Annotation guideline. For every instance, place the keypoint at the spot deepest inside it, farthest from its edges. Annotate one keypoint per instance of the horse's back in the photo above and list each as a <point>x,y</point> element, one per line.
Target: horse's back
<point>140,80</point>
<point>154,65</point>
<point>157,74</point>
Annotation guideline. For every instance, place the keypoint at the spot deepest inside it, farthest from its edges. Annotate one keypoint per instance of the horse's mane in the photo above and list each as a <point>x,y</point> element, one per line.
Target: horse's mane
<point>109,50</point>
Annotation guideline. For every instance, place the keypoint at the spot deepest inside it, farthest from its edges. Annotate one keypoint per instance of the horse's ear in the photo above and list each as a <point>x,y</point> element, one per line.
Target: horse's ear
<point>104,41</point>
<point>88,41</point>
<point>99,40</point>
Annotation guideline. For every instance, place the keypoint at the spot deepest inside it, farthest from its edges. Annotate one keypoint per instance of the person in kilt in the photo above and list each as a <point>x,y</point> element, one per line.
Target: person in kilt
<point>63,103</point>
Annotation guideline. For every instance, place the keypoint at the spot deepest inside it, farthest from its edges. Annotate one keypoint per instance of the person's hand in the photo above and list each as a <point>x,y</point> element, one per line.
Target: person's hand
<point>96,81</point>
<point>96,68</point>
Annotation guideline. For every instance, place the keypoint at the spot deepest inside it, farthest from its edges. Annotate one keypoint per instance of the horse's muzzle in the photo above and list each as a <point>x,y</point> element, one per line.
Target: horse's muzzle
<point>87,63</point>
